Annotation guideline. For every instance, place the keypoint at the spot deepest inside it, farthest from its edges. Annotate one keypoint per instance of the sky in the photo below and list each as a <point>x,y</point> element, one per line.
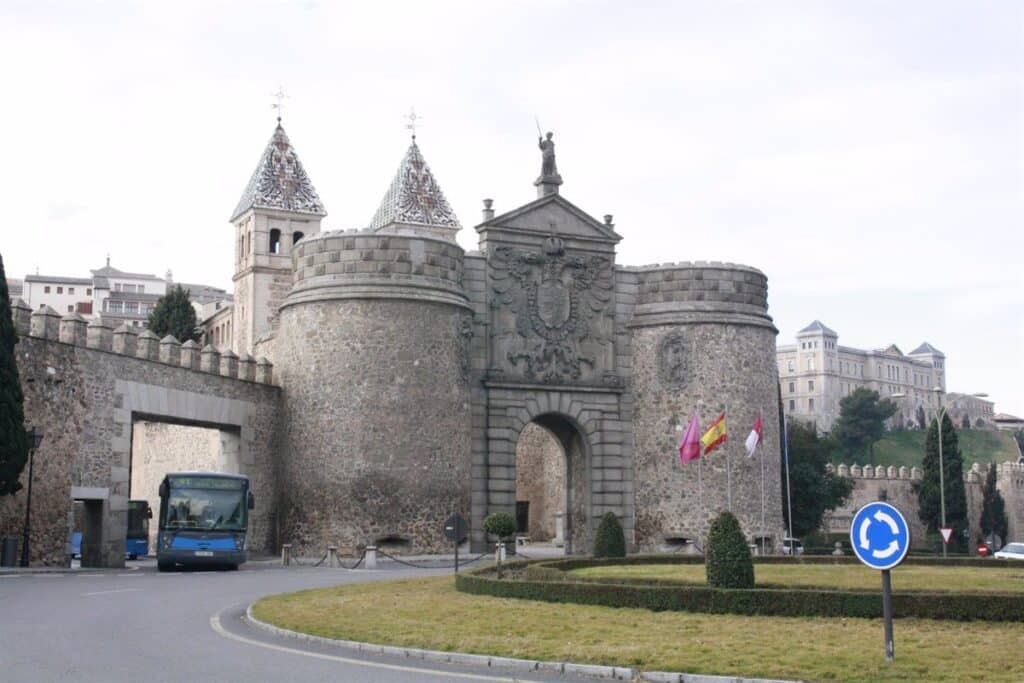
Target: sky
<point>867,156</point>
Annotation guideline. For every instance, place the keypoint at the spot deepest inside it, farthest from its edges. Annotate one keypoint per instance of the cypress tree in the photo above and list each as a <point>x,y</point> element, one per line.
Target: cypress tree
<point>993,508</point>
<point>928,500</point>
<point>13,439</point>
<point>173,315</point>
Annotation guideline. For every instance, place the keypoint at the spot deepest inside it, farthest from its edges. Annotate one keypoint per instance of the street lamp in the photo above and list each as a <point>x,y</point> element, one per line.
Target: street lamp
<point>35,437</point>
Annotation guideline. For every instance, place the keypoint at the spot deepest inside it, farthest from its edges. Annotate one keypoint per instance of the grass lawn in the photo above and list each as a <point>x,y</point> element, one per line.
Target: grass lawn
<point>849,576</point>
<point>429,613</point>
<point>906,447</point>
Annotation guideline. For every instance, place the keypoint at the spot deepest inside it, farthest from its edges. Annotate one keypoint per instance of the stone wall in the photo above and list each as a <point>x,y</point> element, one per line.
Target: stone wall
<point>85,386</point>
<point>898,483</point>
<point>702,341</point>
<point>541,479</point>
<point>372,352</point>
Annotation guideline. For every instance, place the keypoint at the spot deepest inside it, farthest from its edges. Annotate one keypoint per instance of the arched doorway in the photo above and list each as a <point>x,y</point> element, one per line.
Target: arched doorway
<point>552,494</point>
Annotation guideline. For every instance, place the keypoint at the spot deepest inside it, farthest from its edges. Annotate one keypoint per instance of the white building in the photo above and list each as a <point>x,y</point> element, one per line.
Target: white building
<point>817,372</point>
<point>62,294</point>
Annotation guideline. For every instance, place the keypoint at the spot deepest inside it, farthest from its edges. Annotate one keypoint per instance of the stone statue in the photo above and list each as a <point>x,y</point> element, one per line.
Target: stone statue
<point>547,148</point>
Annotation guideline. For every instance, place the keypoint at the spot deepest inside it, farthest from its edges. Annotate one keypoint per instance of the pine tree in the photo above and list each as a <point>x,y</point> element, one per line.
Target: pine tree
<point>173,315</point>
<point>993,507</point>
<point>861,422</point>
<point>922,421</point>
<point>965,422</point>
<point>928,499</point>
<point>13,439</point>
<point>815,490</point>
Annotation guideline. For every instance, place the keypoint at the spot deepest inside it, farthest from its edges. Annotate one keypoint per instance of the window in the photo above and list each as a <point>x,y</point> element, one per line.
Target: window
<point>790,365</point>
<point>141,289</point>
<point>60,290</point>
<point>131,306</point>
<point>241,248</point>
<point>792,405</point>
<point>71,309</point>
<point>71,290</point>
<point>46,289</point>
<point>275,241</point>
<point>115,306</point>
<point>810,404</point>
<point>297,237</point>
<point>792,387</point>
<point>810,385</point>
<point>810,363</point>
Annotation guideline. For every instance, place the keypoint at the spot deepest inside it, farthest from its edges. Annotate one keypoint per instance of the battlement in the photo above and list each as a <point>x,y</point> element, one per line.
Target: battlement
<point>1010,470</point>
<point>73,329</point>
<point>367,264</point>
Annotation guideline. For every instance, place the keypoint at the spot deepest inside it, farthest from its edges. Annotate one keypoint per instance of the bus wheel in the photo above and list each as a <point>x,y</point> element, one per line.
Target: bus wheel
<point>133,556</point>
<point>164,566</point>
<point>231,567</point>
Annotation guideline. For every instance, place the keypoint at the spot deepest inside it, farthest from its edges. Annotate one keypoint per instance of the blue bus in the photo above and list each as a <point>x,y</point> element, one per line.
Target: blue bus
<point>203,520</point>
<point>136,540</point>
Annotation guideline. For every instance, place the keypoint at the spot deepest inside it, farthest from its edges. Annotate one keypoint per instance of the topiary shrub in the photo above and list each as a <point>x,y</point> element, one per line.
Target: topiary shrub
<point>500,524</point>
<point>727,559</point>
<point>610,540</point>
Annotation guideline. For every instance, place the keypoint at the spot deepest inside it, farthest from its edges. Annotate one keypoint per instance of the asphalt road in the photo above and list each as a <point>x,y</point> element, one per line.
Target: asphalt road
<point>141,625</point>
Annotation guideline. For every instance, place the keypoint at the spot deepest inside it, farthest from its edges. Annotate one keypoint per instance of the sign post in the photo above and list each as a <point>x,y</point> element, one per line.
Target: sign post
<point>880,537</point>
<point>455,530</point>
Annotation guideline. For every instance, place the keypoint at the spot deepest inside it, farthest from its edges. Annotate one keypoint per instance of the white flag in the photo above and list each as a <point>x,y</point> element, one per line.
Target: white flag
<point>754,437</point>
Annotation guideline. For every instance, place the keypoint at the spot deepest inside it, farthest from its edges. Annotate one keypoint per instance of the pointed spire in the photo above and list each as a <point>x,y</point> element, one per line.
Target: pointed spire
<point>280,182</point>
<point>415,200</point>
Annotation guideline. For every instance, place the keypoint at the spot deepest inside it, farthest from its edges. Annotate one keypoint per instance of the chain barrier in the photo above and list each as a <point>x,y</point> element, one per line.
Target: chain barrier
<point>433,566</point>
<point>300,563</point>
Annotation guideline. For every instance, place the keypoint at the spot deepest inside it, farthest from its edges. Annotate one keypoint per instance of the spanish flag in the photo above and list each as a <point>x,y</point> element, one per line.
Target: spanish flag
<point>715,435</point>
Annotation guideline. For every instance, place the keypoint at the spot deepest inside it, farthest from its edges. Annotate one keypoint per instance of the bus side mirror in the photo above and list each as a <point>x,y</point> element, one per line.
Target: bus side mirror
<point>251,501</point>
<point>163,489</point>
<point>149,512</point>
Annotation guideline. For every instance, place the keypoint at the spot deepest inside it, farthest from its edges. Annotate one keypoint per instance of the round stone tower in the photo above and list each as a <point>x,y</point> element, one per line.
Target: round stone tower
<point>702,340</point>
<point>373,361</point>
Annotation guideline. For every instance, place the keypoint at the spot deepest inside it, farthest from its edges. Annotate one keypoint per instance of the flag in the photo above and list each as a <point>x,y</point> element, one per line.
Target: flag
<point>689,447</point>
<point>754,437</point>
<point>715,435</point>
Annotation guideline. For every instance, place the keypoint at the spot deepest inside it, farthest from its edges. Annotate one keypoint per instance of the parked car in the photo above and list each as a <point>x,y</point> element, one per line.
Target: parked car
<point>792,546</point>
<point>1011,551</point>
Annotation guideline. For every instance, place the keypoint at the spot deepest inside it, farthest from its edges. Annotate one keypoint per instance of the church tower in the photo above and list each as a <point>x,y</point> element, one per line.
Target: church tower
<point>278,208</point>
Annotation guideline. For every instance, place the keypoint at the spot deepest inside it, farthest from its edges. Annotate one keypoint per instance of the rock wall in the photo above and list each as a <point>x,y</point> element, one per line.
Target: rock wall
<point>541,479</point>
<point>703,341</point>
<point>377,410</point>
<point>85,386</point>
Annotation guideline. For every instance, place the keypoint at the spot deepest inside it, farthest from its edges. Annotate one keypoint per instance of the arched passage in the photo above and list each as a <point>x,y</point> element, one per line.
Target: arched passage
<point>552,492</point>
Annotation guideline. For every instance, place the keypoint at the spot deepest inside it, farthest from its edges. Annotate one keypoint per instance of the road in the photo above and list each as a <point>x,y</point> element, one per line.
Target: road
<point>142,625</point>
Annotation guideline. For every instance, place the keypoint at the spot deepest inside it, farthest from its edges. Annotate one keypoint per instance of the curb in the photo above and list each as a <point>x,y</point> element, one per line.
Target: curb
<point>613,672</point>
<point>618,673</point>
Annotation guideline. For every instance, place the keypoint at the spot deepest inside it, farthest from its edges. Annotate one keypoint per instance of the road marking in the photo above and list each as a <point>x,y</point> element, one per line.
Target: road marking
<point>119,590</point>
<point>220,630</point>
<point>132,574</point>
<point>12,576</point>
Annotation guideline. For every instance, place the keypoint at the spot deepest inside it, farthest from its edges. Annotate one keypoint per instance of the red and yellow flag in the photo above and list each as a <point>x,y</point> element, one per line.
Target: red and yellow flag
<point>715,435</point>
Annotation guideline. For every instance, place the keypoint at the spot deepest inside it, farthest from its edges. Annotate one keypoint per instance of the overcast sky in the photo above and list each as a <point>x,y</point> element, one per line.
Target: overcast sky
<point>867,156</point>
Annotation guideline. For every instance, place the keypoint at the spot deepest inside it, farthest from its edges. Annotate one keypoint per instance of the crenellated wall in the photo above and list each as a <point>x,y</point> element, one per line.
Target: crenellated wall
<point>898,483</point>
<point>86,385</point>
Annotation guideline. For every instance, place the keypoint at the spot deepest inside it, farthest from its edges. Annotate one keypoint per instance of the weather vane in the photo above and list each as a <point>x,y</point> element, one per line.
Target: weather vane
<point>412,118</point>
<point>279,105</point>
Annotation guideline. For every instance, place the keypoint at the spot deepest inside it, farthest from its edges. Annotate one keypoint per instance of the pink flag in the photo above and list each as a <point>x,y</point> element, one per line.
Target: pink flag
<point>689,447</point>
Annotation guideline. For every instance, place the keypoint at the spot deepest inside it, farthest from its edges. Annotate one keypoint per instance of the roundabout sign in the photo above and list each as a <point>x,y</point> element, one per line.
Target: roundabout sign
<point>880,536</point>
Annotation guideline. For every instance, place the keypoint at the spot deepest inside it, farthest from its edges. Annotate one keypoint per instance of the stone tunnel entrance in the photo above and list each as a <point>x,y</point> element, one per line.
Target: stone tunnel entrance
<point>551,488</point>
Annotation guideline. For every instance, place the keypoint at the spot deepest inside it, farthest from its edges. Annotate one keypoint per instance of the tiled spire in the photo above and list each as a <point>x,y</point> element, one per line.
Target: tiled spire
<point>280,182</point>
<point>415,201</point>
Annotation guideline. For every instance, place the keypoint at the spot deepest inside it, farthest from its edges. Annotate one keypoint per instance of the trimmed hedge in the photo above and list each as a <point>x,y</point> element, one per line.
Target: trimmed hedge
<point>571,563</point>
<point>728,561</point>
<point>754,601</point>
<point>610,541</point>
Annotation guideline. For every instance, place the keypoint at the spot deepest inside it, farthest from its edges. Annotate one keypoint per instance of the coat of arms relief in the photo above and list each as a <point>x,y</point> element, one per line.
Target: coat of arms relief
<point>552,314</point>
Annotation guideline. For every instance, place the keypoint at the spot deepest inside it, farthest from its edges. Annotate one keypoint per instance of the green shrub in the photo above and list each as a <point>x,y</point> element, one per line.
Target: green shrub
<point>728,560</point>
<point>610,540</point>
<point>500,524</point>
<point>756,601</point>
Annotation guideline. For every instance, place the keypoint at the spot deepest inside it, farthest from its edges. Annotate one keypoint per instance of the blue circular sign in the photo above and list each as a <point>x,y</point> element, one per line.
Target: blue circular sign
<point>880,535</point>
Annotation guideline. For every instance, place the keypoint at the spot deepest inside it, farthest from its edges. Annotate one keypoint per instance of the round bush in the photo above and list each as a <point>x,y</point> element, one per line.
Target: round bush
<point>610,540</point>
<point>727,560</point>
<point>500,524</point>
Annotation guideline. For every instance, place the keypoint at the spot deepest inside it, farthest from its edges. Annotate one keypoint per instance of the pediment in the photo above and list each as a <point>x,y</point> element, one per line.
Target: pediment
<point>553,211</point>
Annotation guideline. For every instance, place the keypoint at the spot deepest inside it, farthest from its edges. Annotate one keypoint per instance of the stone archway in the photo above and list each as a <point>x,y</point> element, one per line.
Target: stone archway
<point>552,483</point>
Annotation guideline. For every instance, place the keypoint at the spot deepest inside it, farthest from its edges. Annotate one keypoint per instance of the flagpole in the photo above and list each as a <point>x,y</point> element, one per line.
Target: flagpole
<point>728,475</point>
<point>789,498</point>
<point>759,443</point>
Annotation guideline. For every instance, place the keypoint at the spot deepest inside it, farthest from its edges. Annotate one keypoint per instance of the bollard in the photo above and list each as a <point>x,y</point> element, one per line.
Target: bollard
<point>371,557</point>
<point>286,554</point>
<point>332,556</point>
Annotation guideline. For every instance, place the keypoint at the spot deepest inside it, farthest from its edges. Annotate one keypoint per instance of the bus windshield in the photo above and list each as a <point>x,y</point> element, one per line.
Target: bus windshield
<point>206,509</point>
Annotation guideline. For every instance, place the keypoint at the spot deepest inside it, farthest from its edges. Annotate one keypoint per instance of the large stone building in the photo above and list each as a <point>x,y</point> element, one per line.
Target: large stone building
<point>412,379</point>
<point>817,372</point>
